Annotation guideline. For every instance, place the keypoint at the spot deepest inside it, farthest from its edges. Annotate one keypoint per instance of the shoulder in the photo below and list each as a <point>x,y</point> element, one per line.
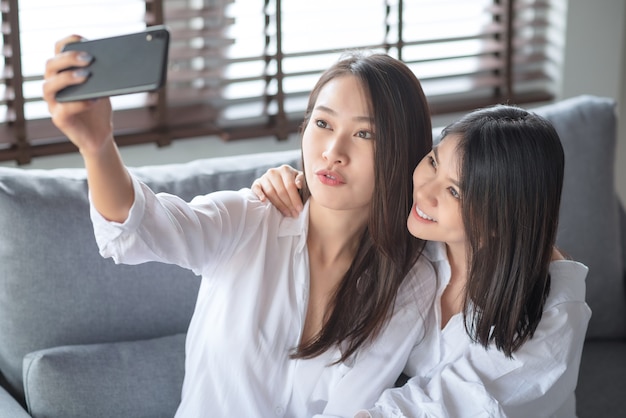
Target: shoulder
<point>565,314</point>
<point>241,196</point>
<point>569,268</point>
<point>419,287</point>
<point>240,202</point>
<point>567,282</point>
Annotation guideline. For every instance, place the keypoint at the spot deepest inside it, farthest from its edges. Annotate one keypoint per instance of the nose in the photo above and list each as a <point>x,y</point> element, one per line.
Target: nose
<point>337,149</point>
<point>425,190</point>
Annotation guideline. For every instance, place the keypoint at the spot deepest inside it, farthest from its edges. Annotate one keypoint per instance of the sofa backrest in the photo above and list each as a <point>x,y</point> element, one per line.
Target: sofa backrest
<point>55,288</point>
<point>590,228</point>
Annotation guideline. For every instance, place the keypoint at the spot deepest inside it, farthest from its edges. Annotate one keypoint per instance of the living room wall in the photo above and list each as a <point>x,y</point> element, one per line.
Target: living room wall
<point>594,63</point>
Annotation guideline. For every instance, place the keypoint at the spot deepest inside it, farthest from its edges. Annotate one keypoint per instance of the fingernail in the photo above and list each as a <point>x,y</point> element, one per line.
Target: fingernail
<point>80,73</point>
<point>84,56</point>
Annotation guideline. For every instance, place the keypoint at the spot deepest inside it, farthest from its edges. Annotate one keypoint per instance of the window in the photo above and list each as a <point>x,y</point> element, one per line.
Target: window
<point>244,68</point>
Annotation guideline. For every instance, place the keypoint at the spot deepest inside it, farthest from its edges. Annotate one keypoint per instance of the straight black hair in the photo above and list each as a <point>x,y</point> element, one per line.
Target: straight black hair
<point>365,297</point>
<point>511,177</point>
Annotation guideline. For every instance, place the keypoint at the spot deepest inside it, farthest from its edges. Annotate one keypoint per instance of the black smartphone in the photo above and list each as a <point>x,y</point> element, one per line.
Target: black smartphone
<point>123,64</point>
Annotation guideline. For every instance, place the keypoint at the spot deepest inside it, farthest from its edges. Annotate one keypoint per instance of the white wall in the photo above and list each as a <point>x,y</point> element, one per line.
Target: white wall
<point>594,63</point>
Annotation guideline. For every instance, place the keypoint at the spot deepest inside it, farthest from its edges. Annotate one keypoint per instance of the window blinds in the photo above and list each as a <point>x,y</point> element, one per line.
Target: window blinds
<point>244,68</point>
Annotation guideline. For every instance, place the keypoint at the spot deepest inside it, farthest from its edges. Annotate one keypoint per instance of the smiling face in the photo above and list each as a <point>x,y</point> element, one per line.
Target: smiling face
<point>436,213</point>
<point>338,147</point>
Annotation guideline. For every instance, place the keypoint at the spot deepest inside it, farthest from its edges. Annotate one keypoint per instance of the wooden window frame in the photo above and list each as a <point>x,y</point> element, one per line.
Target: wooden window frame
<point>170,115</point>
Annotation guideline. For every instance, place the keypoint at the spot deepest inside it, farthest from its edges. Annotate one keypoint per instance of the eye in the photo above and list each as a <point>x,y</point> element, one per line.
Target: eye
<point>455,194</point>
<point>432,161</point>
<point>364,134</point>
<point>321,123</point>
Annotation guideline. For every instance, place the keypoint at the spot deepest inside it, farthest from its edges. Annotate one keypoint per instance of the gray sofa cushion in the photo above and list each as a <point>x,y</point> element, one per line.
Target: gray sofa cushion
<point>600,390</point>
<point>125,379</point>
<point>9,407</point>
<point>589,225</point>
<point>56,290</point>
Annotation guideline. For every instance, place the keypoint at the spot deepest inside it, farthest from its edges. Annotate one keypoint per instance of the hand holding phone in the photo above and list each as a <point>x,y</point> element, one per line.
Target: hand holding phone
<point>124,64</point>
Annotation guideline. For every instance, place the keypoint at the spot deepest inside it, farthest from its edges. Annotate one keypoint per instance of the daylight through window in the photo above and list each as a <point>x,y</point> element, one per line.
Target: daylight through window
<point>244,68</point>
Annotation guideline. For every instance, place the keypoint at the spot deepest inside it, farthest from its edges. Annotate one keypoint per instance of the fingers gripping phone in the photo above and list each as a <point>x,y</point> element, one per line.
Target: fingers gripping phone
<point>122,64</point>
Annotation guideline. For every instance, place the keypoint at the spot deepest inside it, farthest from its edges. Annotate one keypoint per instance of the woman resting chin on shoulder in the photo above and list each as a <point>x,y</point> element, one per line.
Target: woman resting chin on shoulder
<point>506,336</point>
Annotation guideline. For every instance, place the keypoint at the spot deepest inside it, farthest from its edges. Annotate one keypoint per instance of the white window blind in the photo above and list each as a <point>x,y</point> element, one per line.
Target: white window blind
<point>244,68</point>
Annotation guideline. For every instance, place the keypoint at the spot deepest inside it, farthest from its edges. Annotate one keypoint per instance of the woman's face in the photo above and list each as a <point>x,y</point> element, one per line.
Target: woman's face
<point>338,147</point>
<point>436,212</point>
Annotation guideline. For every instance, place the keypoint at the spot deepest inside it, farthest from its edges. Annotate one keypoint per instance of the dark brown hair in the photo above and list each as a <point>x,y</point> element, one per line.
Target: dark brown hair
<point>511,177</point>
<point>365,297</point>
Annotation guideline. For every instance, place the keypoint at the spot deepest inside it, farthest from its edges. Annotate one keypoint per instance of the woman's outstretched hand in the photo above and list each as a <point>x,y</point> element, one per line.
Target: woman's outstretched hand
<point>88,124</point>
<point>280,186</point>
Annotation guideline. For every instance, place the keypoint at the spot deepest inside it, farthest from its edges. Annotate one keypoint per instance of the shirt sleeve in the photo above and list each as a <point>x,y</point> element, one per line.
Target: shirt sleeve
<point>164,228</point>
<point>539,379</point>
<point>377,366</point>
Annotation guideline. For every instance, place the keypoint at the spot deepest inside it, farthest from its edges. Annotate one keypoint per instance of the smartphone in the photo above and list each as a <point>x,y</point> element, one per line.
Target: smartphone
<point>124,64</point>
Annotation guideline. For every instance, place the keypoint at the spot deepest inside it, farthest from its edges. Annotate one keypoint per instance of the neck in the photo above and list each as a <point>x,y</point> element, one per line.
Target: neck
<point>334,234</point>
<point>457,257</point>
<point>453,296</point>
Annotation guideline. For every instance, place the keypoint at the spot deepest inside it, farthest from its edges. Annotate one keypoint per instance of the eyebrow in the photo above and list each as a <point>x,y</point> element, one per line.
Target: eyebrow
<point>436,152</point>
<point>332,112</point>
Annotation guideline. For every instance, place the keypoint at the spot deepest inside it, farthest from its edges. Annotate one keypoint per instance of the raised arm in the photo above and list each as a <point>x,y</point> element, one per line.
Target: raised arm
<point>280,186</point>
<point>89,125</point>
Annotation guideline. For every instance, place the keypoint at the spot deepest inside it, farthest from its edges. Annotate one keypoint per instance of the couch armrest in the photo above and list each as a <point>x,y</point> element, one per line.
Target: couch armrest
<point>9,407</point>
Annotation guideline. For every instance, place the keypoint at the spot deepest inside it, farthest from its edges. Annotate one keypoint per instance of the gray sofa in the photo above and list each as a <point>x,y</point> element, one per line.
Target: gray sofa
<point>83,337</point>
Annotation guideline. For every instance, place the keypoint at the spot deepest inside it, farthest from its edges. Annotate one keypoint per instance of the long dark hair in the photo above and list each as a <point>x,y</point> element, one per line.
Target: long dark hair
<point>511,178</point>
<point>365,297</point>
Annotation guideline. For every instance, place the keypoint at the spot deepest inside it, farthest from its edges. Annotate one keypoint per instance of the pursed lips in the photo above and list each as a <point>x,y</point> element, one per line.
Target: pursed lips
<point>330,177</point>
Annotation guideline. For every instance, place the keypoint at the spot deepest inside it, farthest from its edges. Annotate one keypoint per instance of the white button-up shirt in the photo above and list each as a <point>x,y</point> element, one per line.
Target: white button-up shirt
<point>252,304</point>
<point>455,377</point>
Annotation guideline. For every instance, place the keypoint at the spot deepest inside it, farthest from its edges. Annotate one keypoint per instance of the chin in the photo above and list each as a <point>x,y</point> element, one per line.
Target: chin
<point>421,230</point>
<point>413,227</point>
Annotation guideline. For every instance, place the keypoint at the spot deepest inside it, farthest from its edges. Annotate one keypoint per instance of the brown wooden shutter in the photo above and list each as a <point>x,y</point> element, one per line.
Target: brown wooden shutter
<point>244,68</point>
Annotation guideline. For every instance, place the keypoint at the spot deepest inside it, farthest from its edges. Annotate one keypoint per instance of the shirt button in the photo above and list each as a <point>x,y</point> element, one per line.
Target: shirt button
<point>279,411</point>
